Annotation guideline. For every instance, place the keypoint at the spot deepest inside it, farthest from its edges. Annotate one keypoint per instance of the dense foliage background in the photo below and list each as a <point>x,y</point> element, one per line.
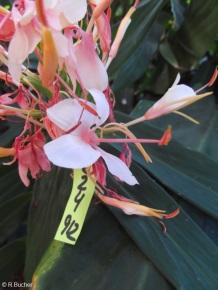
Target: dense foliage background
<point>116,251</point>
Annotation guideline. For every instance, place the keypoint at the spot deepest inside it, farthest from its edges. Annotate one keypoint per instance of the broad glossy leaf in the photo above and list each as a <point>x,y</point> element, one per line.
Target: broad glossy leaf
<point>103,256</point>
<point>202,137</point>
<point>178,254</point>
<point>178,9</point>
<point>191,175</point>
<point>12,258</point>
<point>197,32</point>
<point>12,214</point>
<point>185,255</point>
<point>145,15</point>
<point>139,60</point>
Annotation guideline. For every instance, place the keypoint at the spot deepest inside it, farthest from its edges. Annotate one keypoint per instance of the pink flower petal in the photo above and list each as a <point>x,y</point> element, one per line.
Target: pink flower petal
<point>165,106</point>
<point>102,106</point>
<point>117,167</point>
<point>22,44</point>
<point>90,68</point>
<point>71,152</point>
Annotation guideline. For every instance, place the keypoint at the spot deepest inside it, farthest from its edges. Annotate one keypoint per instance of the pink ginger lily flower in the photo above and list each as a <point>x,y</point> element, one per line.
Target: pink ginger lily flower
<point>78,148</point>
<point>59,14</point>
<point>132,208</point>
<point>177,97</point>
<point>30,155</point>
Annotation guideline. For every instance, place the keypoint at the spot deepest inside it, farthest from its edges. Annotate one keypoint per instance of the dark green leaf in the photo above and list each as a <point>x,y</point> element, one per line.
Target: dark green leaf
<point>178,9</point>
<point>106,249</point>
<point>12,214</point>
<point>202,137</point>
<point>191,175</point>
<point>142,20</point>
<point>138,62</point>
<point>197,32</point>
<point>12,258</point>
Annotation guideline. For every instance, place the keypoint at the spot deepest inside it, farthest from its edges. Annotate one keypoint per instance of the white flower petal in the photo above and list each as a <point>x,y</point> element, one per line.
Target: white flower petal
<point>61,44</point>
<point>102,106</point>
<point>117,167</point>
<point>65,114</point>
<point>50,4</point>
<point>71,152</point>
<point>178,77</point>
<point>165,104</point>
<point>73,10</point>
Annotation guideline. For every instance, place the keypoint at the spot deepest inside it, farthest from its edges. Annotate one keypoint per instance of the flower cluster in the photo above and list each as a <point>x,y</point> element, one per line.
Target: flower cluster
<point>68,97</point>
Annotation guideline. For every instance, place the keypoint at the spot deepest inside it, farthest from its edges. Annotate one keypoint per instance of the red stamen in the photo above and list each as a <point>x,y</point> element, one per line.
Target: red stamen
<point>214,77</point>
<point>136,3</point>
<point>171,215</point>
<point>167,136</point>
<point>88,108</point>
<point>109,14</point>
<point>74,128</point>
<point>163,227</point>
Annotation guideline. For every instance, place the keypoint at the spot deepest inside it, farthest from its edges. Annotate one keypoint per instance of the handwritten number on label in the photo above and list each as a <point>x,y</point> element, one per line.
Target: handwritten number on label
<point>69,224</point>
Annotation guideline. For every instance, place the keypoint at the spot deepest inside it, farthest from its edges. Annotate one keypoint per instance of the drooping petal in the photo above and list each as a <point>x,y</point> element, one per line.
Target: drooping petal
<point>117,167</point>
<point>131,208</point>
<point>102,106</point>
<point>23,170</point>
<point>17,53</point>
<point>22,44</point>
<point>70,151</point>
<point>90,68</point>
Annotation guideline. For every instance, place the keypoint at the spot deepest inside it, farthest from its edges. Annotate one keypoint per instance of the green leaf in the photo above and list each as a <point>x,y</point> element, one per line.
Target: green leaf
<point>197,32</point>
<point>177,254</point>
<point>109,245</point>
<point>111,254</point>
<point>12,258</point>
<point>137,31</point>
<point>191,175</point>
<point>202,137</point>
<point>12,214</point>
<point>139,60</point>
<point>178,9</point>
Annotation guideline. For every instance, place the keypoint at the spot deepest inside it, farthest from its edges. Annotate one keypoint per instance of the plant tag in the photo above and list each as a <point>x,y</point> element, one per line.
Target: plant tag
<point>76,209</point>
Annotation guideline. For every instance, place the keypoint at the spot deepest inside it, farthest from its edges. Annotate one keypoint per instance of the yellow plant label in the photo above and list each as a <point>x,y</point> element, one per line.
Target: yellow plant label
<point>76,209</point>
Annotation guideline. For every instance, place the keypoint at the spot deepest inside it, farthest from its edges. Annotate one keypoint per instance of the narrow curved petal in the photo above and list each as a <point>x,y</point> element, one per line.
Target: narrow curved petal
<point>117,167</point>
<point>102,106</point>
<point>21,45</point>
<point>178,77</point>
<point>71,152</point>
